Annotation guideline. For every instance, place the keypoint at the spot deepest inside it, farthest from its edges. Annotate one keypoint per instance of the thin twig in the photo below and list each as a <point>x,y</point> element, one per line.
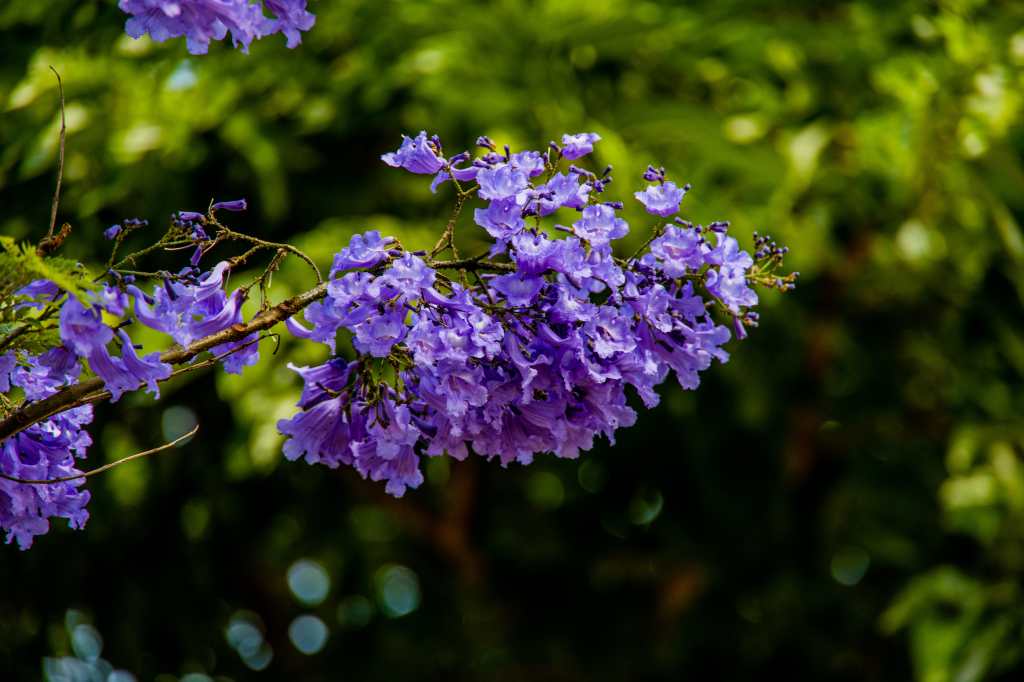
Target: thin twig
<point>148,250</point>
<point>477,262</point>
<point>448,236</point>
<point>655,233</point>
<point>105,467</point>
<point>231,234</point>
<point>60,158</point>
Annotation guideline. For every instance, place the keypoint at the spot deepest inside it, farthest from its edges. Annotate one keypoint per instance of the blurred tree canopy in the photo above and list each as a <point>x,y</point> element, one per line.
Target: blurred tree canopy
<point>844,500</point>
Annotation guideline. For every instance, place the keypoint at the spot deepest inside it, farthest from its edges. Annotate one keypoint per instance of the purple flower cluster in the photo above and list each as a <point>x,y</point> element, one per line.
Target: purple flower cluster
<point>201,21</point>
<point>186,306</point>
<point>533,346</point>
<point>536,355</point>
<point>43,451</point>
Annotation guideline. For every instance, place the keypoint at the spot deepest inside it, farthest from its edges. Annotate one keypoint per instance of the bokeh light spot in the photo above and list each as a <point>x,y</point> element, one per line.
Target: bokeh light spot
<point>176,421</point>
<point>308,634</point>
<point>545,490</point>
<point>182,78</point>
<point>86,642</point>
<point>245,635</point>
<point>398,591</point>
<point>849,565</point>
<point>309,582</point>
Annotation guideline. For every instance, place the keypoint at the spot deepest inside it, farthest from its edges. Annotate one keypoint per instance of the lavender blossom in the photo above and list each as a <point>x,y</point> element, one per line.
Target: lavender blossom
<point>202,21</point>
<point>663,199</point>
<point>416,155</point>
<point>578,145</point>
<point>537,354</point>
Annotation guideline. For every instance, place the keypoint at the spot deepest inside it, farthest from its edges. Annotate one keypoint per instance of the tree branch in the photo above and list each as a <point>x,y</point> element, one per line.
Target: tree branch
<point>91,390</point>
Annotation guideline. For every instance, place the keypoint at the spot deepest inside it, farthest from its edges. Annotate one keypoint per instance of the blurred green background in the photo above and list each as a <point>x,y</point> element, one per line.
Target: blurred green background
<point>842,501</point>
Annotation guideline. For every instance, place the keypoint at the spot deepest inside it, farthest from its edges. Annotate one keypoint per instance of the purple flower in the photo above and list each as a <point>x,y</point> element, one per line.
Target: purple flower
<point>82,329</point>
<point>379,334</point>
<point>112,300</point>
<point>461,174</point>
<point>535,253</point>
<point>409,275</point>
<point>127,373</point>
<point>502,218</point>
<point>653,174</point>
<point>503,182</point>
<point>535,359</point>
<point>186,217</point>
<point>236,205</point>
<point>387,453</point>
<point>7,363</point>
<point>679,250</point>
<point>531,163</point>
<point>562,190</point>
<point>42,376</point>
<point>147,370</point>
<point>322,381</point>
<point>416,155</point>
<point>37,289</point>
<point>188,312</point>
<point>599,225</point>
<point>112,231</point>
<point>201,21</point>
<point>363,251</point>
<point>44,450</point>
<point>291,19</point>
<point>729,281</point>
<point>455,388</point>
<point>578,145</point>
<point>520,290</point>
<point>320,434</point>
<point>661,200</point>
<point>610,332</point>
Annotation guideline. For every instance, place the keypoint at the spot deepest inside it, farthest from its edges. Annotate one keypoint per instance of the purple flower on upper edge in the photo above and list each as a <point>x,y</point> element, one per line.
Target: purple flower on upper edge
<point>662,200</point>
<point>292,19</point>
<point>415,155</point>
<point>578,145</point>
<point>201,21</point>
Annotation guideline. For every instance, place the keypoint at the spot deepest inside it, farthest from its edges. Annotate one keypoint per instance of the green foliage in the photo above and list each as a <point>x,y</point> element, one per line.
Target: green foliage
<point>21,264</point>
<point>849,504</point>
<point>28,328</point>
